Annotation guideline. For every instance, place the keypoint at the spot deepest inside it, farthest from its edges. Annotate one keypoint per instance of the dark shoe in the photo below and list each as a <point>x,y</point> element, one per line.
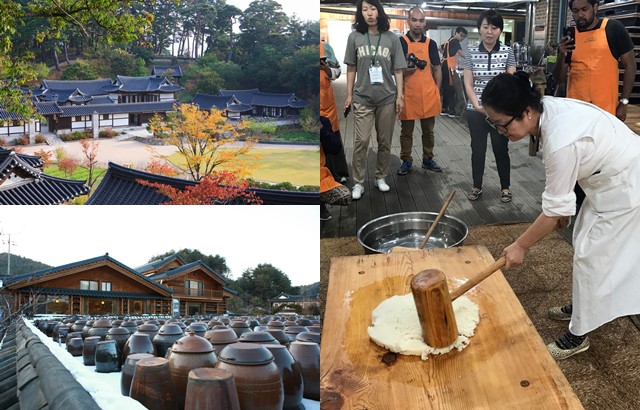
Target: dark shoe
<point>339,195</point>
<point>506,196</point>
<point>325,215</point>
<point>474,194</point>
<point>567,345</point>
<point>431,165</point>
<point>443,112</point>
<point>451,114</point>
<point>404,168</point>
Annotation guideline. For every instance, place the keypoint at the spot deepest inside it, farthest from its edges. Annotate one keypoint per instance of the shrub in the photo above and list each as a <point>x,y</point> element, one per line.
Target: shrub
<point>309,121</point>
<point>68,165</point>
<point>21,141</point>
<point>106,133</point>
<point>161,168</point>
<point>40,139</point>
<point>45,156</point>
<point>76,136</point>
<point>3,141</point>
<point>60,154</point>
<point>254,127</point>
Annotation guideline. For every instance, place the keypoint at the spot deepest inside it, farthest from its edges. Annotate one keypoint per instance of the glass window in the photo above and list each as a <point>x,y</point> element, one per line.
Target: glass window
<point>194,287</point>
<point>78,118</point>
<point>105,116</point>
<point>89,284</point>
<point>106,286</point>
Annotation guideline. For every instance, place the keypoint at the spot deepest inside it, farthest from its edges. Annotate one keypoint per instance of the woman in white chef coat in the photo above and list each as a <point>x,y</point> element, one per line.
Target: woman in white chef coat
<point>580,142</point>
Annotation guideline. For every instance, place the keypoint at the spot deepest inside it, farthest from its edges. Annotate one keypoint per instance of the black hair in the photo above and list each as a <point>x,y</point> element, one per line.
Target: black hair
<point>461,30</point>
<point>511,94</point>
<point>383,20</point>
<point>592,2</point>
<point>492,17</point>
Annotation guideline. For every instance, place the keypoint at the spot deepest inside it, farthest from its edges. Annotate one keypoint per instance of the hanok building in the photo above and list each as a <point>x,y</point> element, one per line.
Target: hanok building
<point>284,299</point>
<point>167,70</point>
<point>197,287</point>
<point>103,285</point>
<point>230,106</point>
<point>22,182</point>
<point>96,104</point>
<point>264,104</point>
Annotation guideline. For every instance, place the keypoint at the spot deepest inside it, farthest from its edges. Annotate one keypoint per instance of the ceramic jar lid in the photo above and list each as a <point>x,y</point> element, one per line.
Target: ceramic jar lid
<point>257,337</point>
<point>238,323</point>
<point>308,337</point>
<point>221,336</point>
<point>192,343</point>
<point>102,323</point>
<point>118,331</point>
<point>148,327</point>
<point>197,327</point>
<point>245,354</point>
<point>170,329</point>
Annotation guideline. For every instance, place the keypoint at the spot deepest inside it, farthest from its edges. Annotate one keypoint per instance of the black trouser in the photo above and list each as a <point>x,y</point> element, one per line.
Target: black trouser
<point>448,92</point>
<point>337,163</point>
<point>478,128</point>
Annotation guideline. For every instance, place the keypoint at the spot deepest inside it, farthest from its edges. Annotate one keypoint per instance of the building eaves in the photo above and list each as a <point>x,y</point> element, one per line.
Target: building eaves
<point>146,107</point>
<point>181,269</point>
<point>84,292</point>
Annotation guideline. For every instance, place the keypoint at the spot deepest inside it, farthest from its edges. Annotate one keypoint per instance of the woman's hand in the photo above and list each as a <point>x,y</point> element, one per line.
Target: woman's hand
<point>399,104</point>
<point>514,255</point>
<point>347,102</point>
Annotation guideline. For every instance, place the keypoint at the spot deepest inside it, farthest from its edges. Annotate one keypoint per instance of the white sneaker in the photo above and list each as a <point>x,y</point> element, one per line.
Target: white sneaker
<point>382,185</point>
<point>357,191</point>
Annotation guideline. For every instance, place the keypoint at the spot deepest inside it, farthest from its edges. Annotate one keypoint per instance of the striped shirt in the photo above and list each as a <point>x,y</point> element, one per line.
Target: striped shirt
<point>485,65</point>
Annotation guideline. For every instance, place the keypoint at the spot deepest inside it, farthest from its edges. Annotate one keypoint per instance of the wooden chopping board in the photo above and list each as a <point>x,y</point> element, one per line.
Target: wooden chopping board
<point>505,366</point>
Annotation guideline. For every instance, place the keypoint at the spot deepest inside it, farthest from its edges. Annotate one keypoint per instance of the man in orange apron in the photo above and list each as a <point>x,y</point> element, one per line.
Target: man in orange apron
<point>591,60</point>
<point>421,92</point>
<point>331,192</point>
<point>450,52</point>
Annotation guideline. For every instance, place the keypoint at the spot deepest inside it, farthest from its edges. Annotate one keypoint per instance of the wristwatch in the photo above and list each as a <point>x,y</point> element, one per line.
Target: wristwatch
<point>624,101</point>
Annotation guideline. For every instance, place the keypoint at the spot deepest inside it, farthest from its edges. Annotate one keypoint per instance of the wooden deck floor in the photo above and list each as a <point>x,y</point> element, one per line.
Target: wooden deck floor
<point>423,190</point>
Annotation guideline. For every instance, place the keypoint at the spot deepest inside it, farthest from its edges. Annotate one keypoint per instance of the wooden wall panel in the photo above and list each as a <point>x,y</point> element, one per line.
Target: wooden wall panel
<point>119,282</point>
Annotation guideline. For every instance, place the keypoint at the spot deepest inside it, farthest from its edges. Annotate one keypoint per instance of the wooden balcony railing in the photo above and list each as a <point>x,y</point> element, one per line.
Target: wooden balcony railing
<point>197,293</point>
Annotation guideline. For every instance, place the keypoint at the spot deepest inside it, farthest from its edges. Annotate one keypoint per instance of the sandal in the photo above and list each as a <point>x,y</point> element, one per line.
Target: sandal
<point>474,194</point>
<point>506,196</point>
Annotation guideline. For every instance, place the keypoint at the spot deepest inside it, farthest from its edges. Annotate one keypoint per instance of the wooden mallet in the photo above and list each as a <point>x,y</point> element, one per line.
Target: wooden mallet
<point>434,303</point>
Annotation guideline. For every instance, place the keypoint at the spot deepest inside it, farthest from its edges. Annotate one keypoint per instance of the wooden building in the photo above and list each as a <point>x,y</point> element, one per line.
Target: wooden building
<point>305,302</point>
<point>105,286</point>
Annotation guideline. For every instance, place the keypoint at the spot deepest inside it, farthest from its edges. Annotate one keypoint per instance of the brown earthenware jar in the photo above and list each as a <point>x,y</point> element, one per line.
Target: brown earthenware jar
<point>107,357</point>
<point>152,385</point>
<point>100,328</point>
<point>308,337</point>
<point>292,331</point>
<point>188,353</point>
<point>130,326</point>
<point>120,336</point>
<point>74,346</point>
<point>138,343</point>
<point>169,333</point>
<point>275,324</point>
<point>71,335</point>
<point>303,322</point>
<point>150,329</point>
<point>288,323</point>
<point>279,335</point>
<point>78,325</point>
<point>291,375</point>
<point>87,326</point>
<point>261,338</point>
<point>239,327</point>
<point>219,338</point>
<point>127,371</point>
<point>89,350</point>
<point>314,328</point>
<point>213,323</point>
<point>209,388</point>
<point>257,376</point>
<point>307,354</point>
<point>198,327</point>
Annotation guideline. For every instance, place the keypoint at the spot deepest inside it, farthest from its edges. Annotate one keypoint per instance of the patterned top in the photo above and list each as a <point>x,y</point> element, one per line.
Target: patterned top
<point>487,64</point>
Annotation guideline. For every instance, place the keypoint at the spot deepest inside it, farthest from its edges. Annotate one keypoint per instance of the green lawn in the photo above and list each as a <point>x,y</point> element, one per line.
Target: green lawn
<point>298,136</point>
<point>300,167</point>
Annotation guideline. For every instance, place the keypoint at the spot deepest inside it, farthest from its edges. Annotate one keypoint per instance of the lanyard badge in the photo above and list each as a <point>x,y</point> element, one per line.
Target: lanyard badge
<point>375,71</point>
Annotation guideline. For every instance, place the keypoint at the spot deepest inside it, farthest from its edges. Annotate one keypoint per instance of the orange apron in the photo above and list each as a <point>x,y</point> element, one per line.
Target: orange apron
<point>328,98</point>
<point>327,182</point>
<point>452,61</point>
<point>593,72</point>
<point>421,96</point>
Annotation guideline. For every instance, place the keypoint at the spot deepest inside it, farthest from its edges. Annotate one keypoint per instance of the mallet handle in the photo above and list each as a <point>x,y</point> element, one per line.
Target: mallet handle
<point>435,223</point>
<point>478,278</point>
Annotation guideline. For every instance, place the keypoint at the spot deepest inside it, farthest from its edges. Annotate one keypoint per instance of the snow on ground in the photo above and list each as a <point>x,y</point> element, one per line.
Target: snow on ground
<point>105,387</point>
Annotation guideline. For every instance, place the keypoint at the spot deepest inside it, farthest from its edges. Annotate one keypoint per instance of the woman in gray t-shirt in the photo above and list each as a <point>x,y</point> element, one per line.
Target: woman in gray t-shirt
<point>375,54</point>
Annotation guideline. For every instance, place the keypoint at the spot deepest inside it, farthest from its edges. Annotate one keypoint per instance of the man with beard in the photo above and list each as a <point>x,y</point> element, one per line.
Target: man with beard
<point>591,60</point>
<point>421,92</point>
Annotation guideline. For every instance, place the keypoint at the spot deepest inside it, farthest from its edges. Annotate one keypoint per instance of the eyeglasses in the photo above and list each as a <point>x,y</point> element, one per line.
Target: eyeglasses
<point>501,127</point>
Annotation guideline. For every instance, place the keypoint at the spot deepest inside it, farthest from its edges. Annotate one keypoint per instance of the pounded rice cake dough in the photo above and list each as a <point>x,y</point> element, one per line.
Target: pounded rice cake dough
<point>396,326</point>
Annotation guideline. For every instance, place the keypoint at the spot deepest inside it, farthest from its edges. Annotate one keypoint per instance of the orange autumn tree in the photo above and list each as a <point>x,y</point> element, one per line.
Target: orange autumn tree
<point>199,135</point>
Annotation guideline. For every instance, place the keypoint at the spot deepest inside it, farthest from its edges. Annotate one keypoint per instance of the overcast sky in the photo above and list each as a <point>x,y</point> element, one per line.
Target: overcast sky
<point>287,237</point>
<point>304,9</point>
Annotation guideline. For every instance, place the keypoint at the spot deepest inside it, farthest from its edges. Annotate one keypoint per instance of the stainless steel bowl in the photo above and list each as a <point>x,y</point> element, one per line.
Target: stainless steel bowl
<point>407,229</point>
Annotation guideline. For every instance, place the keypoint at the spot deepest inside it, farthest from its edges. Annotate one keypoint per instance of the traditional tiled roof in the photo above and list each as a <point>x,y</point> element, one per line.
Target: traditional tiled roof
<point>160,69</point>
<point>33,160</point>
<point>142,84</point>
<point>256,98</point>
<point>103,99</point>
<point>23,184</point>
<point>119,187</point>
<point>239,108</point>
<point>48,108</point>
<point>182,269</point>
<point>244,96</point>
<point>103,258</point>
<point>33,378</point>
<point>207,101</point>
<point>78,110</point>
<point>61,90</point>
<point>160,262</point>
<point>91,293</point>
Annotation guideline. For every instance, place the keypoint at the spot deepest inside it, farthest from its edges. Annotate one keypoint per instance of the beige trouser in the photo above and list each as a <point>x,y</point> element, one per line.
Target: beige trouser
<point>384,118</point>
<point>406,138</point>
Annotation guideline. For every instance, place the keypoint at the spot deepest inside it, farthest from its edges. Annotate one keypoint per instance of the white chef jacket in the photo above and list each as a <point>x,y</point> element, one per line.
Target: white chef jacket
<point>584,143</point>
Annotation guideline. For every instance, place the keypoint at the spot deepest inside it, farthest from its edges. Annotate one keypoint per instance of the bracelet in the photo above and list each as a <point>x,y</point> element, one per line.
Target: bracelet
<point>401,96</point>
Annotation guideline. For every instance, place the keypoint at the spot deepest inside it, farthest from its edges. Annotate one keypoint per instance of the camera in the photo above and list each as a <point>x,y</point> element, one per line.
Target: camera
<point>413,62</point>
<point>569,32</point>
